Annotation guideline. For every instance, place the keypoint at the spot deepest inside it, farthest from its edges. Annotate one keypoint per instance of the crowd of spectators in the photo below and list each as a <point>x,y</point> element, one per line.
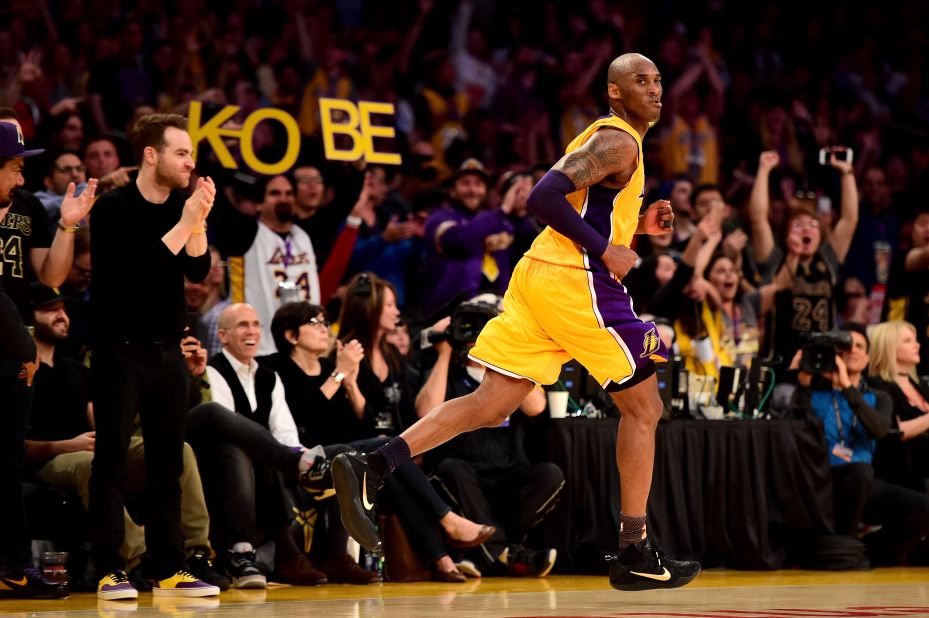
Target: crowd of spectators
<point>780,232</point>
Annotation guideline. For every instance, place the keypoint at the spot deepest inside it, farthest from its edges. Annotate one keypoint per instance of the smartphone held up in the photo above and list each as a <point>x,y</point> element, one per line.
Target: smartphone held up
<point>839,153</point>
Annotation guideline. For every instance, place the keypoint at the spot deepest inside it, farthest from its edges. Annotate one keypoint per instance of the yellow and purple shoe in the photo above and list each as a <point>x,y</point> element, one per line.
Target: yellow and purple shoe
<point>115,586</point>
<point>184,584</point>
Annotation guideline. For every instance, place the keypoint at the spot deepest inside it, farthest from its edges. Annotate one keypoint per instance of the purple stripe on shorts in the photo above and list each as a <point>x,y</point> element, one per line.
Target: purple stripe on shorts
<point>614,307</point>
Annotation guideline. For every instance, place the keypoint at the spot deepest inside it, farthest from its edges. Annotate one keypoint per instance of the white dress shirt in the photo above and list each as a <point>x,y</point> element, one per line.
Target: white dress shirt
<point>281,422</point>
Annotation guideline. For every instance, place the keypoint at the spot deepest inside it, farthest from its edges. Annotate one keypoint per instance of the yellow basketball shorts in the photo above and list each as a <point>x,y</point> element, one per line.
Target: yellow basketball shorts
<point>554,313</point>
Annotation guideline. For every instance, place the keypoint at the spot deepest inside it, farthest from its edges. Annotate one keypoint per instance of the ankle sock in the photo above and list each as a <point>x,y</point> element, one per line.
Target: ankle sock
<point>241,548</point>
<point>377,463</point>
<point>631,529</point>
<point>306,461</point>
<point>387,458</point>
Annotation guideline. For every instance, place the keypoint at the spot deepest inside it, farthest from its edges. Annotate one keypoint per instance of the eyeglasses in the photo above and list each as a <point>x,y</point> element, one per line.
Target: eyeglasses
<point>69,169</point>
<point>312,180</point>
<point>319,323</point>
<point>84,273</point>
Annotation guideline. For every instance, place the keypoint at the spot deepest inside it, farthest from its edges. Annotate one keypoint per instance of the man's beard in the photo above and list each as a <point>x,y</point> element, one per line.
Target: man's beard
<point>165,179</point>
<point>46,333</point>
<point>284,213</point>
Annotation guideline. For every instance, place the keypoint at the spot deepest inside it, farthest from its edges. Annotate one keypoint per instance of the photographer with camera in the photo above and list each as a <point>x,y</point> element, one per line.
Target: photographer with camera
<point>487,472</point>
<point>854,418</point>
<point>809,305</point>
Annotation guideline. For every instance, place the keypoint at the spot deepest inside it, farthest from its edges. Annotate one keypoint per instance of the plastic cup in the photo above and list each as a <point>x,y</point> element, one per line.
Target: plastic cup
<point>558,404</point>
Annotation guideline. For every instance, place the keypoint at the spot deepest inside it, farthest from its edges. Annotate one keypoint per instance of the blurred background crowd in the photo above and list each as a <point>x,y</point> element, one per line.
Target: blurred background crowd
<point>792,145</point>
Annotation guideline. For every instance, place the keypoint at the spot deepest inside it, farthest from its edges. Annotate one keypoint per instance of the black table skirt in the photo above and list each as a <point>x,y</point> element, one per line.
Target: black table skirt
<point>727,493</point>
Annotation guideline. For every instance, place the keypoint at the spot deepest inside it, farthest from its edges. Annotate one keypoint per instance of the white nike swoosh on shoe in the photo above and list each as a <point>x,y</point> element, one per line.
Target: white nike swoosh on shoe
<point>364,494</point>
<point>661,577</point>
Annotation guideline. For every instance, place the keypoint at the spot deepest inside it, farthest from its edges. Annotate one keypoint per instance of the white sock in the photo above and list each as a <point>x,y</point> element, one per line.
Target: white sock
<point>241,548</point>
<point>306,461</point>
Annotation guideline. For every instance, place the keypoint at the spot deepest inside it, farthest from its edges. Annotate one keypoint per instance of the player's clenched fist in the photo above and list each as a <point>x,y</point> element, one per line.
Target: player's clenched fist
<point>619,259</point>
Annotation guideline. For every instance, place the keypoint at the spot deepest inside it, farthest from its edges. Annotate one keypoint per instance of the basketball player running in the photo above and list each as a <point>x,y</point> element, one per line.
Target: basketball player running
<point>566,300</point>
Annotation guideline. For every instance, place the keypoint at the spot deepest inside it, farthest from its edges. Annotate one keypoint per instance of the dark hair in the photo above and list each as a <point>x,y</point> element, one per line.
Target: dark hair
<point>57,123</point>
<point>8,113</point>
<point>642,282</point>
<point>101,137</point>
<point>510,178</point>
<point>720,255</point>
<point>668,185</point>
<point>289,318</point>
<point>53,159</point>
<point>261,185</point>
<point>360,316</point>
<point>801,211</point>
<point>855,327</point>
<point>149,130</point>
<point>704,188</point>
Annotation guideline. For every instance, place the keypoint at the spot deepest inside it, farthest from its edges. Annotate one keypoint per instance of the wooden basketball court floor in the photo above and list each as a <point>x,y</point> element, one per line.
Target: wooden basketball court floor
<point>715,594</point>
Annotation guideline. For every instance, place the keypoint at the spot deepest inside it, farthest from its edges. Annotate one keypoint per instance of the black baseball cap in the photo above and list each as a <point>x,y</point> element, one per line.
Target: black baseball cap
<point>41,295</point>
<point>12,143</point>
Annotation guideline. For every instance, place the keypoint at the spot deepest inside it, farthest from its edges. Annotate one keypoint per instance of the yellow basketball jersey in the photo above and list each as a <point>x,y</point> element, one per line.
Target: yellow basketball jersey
<point>614,213</point>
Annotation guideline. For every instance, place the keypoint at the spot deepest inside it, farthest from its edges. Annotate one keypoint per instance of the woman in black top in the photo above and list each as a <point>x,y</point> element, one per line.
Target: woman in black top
<point>326,398</point>
<point>894,357</point>
<point>322,393</point>
<point>369,313</point>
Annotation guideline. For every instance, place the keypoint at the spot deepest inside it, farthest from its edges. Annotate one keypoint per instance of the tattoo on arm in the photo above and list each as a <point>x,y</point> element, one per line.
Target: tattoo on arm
<point>581,168</point>
<point>604,155</point>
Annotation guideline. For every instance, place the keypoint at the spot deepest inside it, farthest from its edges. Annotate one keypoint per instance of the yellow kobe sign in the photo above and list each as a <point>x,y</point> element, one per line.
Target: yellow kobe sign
<point>354,123</point>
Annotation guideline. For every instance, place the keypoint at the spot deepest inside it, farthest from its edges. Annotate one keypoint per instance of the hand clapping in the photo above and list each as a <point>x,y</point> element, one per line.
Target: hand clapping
<point>198,205</point>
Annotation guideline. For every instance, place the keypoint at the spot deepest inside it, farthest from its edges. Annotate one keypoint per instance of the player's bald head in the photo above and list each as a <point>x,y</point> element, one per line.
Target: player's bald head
<point>629,64</point>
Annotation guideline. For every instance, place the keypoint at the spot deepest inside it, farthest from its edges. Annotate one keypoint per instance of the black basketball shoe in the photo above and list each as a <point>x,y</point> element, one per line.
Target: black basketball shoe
<point>317,481</point>
<point>356,486</point>
<point>29,583</point>
<point>646,568</point>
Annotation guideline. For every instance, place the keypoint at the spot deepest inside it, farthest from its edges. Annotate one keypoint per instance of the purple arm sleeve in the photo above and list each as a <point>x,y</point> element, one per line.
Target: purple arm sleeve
<point>549,203</point>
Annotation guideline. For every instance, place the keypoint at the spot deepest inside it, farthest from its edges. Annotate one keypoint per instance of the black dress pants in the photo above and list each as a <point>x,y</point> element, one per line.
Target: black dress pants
<point>244,471</point>
<point>209,424</point>
<point>151,380</point>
